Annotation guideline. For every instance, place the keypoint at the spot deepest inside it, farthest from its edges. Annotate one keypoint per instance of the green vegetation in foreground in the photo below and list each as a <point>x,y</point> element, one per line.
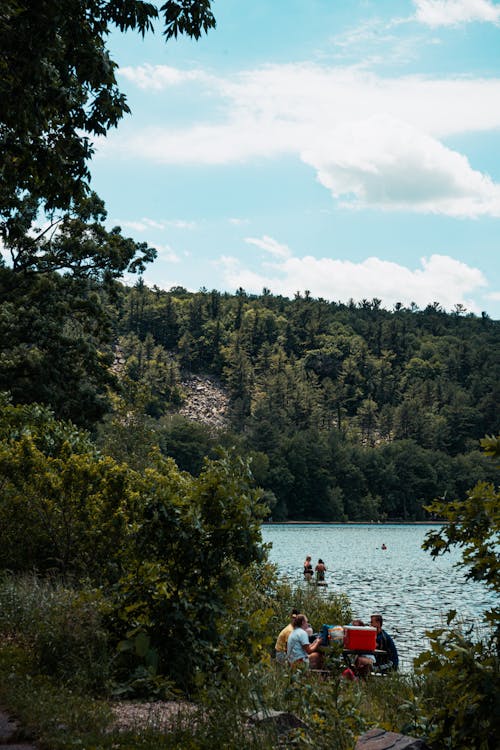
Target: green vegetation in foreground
<point>155,585</point>
<point>53,702</point>
<point>54,706</point>
<point>152,580</point>
<point>463,672</point>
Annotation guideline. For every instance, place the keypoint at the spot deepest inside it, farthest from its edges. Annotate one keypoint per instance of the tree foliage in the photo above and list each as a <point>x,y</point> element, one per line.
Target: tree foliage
<point>462,670</point>
<point>184,565</point>
<point>75,242</point>
<point>473,525</point>
<point>58,89</point>
<point>173,551</point>
<point>64,506</point>
<point>55,337</point>
<point>362,413</point>
<point>354,428</point>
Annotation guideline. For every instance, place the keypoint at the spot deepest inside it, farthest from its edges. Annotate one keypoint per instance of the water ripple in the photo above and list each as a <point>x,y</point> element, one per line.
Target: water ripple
<point>406,585</point>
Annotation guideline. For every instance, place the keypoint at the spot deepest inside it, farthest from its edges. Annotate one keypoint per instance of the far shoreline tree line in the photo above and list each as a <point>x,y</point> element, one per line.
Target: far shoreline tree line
<point>348,412</point>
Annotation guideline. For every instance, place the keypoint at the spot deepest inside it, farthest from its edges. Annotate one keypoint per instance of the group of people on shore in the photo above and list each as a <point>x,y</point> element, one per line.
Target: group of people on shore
<point>296,647</point>
<point>319,570</point>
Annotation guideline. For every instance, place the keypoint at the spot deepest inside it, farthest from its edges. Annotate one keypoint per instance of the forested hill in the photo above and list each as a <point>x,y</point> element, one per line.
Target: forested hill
<point>349,412</point>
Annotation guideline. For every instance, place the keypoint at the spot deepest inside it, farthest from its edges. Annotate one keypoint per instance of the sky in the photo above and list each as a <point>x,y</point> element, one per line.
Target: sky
<point>350,148</point>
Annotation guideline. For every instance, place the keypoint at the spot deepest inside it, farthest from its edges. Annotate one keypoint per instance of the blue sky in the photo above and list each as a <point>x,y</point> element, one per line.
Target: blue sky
<point>346,147</point>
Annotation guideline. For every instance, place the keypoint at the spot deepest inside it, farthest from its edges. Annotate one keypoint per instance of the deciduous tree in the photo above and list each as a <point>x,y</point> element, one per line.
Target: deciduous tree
<point>58,88</point>
<point>462,669</point>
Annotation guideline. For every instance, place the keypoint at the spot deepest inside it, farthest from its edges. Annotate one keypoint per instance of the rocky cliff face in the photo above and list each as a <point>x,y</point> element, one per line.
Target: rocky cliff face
<point>206,401</point>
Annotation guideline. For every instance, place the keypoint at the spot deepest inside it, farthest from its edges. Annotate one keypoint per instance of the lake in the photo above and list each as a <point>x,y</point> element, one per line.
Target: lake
<point>406,585</point>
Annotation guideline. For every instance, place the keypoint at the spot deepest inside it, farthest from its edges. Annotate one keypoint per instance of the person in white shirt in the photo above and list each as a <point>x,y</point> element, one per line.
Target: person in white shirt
<point>299,651</point>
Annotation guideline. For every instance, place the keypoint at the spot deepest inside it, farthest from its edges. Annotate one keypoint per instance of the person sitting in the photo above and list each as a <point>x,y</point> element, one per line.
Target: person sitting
<point>320,570</point>
<point>390,659</point>
<point>299,651</point>
<point>363,663</point>
<point>282,639</point>
<point>308,568</point>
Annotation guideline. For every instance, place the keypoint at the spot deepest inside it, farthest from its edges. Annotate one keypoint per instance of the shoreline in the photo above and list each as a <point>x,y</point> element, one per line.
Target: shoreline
<point>354,523</point>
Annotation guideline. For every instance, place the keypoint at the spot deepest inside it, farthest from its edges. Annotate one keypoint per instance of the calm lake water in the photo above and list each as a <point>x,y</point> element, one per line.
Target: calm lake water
<point>406,585</point>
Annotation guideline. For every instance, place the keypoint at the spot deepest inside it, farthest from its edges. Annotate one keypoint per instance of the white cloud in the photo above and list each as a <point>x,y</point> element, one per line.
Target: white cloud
<point>440,278</point>
<point>379,42</point>
<point>453,12</point>
<point>311,98</point>
<point>372,140</point>
<point>159,77</point>
<point>144,225</point>
<point>153,224</point>
<point>237,222</point>
<point>236,141</point>
<point>270,246</point>
<point>166,253</point>
<point>177,224</point>
<point>387,164</point>
<point>135,226</point>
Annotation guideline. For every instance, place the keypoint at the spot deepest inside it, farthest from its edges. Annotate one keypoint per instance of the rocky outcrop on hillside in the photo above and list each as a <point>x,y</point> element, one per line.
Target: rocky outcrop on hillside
<point>206,401</point>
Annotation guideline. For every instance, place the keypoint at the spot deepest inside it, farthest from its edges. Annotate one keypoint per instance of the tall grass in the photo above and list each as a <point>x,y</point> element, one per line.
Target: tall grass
<point>320,606</point>
<point>61,626</point>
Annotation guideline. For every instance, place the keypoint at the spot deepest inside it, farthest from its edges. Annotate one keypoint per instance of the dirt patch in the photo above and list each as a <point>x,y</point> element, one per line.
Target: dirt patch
<point>159,715</point>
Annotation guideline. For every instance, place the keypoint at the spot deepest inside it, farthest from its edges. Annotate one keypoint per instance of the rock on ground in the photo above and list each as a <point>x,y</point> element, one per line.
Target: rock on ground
<point>206,401</point>
<point>379,739</point>
<point>9,731</point>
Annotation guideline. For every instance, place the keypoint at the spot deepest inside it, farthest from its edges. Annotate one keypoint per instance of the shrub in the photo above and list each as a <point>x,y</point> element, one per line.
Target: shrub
<point>64,507</point>
<point>62,628</point>
<point>320,607</point>
<point>463,673</point>
<point>185,563</point>
<point>461,690</point>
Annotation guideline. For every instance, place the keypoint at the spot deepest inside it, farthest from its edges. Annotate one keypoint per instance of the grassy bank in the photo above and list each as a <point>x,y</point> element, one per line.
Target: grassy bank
<point>60,676</point>
<point>334,712</point>
<point>57,676</point>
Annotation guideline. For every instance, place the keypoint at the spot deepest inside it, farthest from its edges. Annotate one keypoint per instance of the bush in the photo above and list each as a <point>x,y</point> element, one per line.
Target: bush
<point>321,607</point>
<point>461,691</point>
<point>64,507</point>
<point>184,567</point>
<point>62,628</point>
<point>463,672</point>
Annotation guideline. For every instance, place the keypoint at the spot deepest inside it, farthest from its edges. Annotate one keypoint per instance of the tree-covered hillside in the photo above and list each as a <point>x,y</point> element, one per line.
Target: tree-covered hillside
<point>349,412</point>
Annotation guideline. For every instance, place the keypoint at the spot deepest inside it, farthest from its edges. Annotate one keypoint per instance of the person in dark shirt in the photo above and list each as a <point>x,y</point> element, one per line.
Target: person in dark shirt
<point>364,662</point>
<point>389,660</point>
<point>320,570</point>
